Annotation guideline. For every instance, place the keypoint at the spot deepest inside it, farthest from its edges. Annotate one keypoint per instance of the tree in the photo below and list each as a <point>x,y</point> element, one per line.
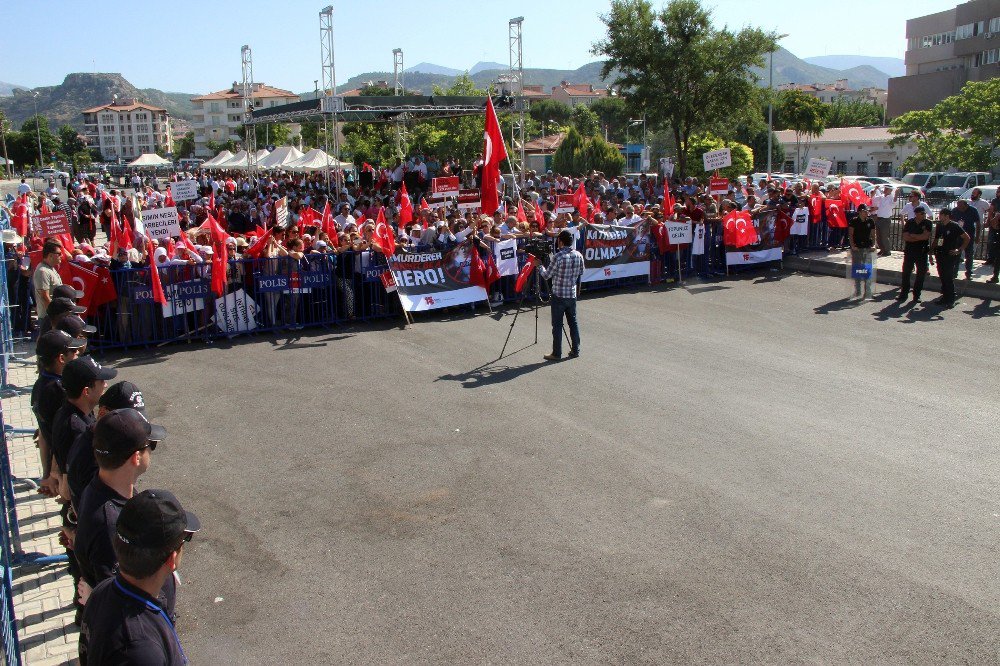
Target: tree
<point>585,121</point>
<point>551,110</point>
<point>742,156</point>
<point>803,114</point>
<point>568,156</point>
<point>276,134</point>
<point>853,113</point>
<point>680,70</point>
<point>961,131</point>
<point>756,140</point>
<point>216,147</point>
<point>50,144</point>
<point>70,142</point>
<point>185,147</point>
<point>578,154</point>
<point>4,129</point>
<point>614,115</point>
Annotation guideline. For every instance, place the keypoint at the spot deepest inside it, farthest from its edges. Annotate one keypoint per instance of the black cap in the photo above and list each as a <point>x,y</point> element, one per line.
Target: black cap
<point>123,395</point>
<point>155,519</point>
<point>862,207</point>
<point>75,326</point>
<point>60,306</point>
<point>66,291</point>
<point>82,372</point>
<point>125,431</point>
<point>53,343</point>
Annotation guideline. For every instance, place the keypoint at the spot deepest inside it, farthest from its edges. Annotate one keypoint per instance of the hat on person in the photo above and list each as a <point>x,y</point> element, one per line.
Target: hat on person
<point>862,207</point>
<point>66,291</point>
<point>75,326</point>
<point>55,342</point>
<point>125,430</point>
<point>10,237</point>
<point>82,372</point>
<point>60,306</point>
<point>321,245</point>
<point>123,395</point>
<point>155,519</point>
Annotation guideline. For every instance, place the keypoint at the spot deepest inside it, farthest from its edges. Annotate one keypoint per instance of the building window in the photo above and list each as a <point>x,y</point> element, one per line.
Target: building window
<point>994,25</point>
<point>989,57</point>
<point>885,169</point>
<point>841,167</point>
<point>215,107</point>
<point>963,31</point>
<point>862,169</point>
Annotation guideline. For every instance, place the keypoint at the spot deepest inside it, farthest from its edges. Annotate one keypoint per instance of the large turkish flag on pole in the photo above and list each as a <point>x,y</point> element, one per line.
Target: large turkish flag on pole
<point>494,152</point>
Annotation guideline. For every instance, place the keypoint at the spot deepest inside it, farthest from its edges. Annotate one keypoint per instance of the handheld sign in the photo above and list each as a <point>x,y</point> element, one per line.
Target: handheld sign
<point>445,187</point>
<point>281,212</point>
<point>53,224</point>
<point>468,199</point>
<point>717,159</point>
<point>818,168</point>
<point>184,190</point>
<point>564,204</point>
<point>718,186</point>
<point>161,223</point>
<point>678,232</point>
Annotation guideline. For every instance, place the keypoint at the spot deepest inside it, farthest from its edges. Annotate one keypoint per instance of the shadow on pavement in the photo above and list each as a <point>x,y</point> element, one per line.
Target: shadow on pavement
<point>489,374</point>
<point>836,306</point>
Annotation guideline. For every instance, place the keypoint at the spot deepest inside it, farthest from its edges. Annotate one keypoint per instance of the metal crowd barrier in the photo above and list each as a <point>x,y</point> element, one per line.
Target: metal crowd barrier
<point>8,530</point>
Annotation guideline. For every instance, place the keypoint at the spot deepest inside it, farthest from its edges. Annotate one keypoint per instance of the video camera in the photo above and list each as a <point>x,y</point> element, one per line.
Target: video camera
<point>539,248</point>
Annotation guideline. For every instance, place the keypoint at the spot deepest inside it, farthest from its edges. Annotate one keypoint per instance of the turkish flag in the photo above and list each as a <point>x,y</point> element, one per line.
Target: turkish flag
<point>851,191</point>
<point>307,217</point>
<point>580,200</point>
<point>327,224</point>
<point>492,272</point>
<point>521,216</point>
<point>522,277</point>
<point>816,208</point>
<point>494,152</point>
<point>835,216</point>
<point>168,200</point>
<point>104,291</point>
<point>255,250</point>
<point>539,217</point>
<point>79,278</point>
<point>782,226</point>
<point>383,239</point>
<point>154,276</point>
<point>477,271</point>
<point>668,199</point>
<point>21,222</point>
<point>220,257</point>
<point>423,204</point>
<point>405,206</point>
<point>738,229</point>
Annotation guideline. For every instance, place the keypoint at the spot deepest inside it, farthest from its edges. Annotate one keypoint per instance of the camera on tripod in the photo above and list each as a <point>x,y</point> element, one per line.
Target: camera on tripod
<point>539,248</point>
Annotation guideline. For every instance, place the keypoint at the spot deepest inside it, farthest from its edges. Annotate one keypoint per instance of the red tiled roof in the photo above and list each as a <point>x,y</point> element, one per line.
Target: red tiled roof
<point>126,107</point>
<point>262,91</point>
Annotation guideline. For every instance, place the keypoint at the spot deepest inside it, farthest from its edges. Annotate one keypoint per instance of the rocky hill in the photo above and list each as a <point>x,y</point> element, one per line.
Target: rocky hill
<point>63,103</point>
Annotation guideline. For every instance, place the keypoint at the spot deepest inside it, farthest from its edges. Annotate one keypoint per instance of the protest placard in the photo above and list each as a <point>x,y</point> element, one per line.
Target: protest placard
<point>818,168</point>
<point>161,223</point>
<point>717,159</point>
<point>184,190</point>
<point>52,224</point>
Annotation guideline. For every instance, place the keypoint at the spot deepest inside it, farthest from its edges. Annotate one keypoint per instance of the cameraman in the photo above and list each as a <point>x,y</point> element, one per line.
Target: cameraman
<point>564,269</point>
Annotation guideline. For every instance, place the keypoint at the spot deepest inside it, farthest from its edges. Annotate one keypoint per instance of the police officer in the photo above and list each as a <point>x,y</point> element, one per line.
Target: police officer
<point>916,237</point>
<point>861,234</point>
<point>950,240</point>
<point>124,622</point>
<point>58,309</point>
<point>53,351</point>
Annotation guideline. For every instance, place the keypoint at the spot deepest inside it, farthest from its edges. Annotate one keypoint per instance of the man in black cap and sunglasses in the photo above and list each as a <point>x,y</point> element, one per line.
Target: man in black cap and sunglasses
<point>124,441</point>
<point>125,623</point>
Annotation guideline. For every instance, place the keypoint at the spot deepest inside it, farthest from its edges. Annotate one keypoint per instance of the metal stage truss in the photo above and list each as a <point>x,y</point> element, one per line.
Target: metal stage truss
<point>384,109</point>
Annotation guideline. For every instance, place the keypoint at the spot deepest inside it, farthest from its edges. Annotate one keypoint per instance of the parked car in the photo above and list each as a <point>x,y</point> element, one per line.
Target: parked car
<point>881,180</point>
<point>989,192</point>
<point>898,191</point>
<point>951,185</point>
<point>48,174</point>
<point>923,179</point>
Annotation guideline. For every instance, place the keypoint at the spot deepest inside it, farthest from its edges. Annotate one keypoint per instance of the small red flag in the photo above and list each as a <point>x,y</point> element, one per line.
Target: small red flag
<point>522,277</point>
<point>521,216</point>
<point>782,226</point>
<point>580,200</point>
<point>80,278</point>
<point>668,199</point>
<point>494,152</point>
<point>539,217</point>
<point>383,239</point>
<point>405,206</point>
<point>835,216</point>
<point>738,229</point>
<point>851,191</point>
<point>154,275</point>
<point>104,292</point>
<point>255,250</point>
<point>816,208</point>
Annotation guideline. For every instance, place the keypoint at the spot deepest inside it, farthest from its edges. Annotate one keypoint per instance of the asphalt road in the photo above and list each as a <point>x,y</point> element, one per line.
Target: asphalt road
<point>746,471</point>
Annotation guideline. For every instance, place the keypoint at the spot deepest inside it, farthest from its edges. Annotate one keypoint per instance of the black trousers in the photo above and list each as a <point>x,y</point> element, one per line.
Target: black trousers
<point>947,267</point>
<point>913,260</point>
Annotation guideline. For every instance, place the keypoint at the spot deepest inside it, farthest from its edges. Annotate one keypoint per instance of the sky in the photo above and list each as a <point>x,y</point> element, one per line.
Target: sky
<point>194,47</point>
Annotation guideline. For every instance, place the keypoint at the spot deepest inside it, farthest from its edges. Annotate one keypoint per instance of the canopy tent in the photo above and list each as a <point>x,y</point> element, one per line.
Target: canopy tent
<point>150,160</point>
<point>224,156</point>
<point>233,162</point>
<point>317,160</point>
<point>4,162</point>
<point>279,157</point>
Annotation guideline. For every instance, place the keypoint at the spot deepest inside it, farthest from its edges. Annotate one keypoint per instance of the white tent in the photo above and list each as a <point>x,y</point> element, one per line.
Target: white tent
<point>317,160</point>
<point>149,160</point>
<point>235,162</point>
<point>279,157</point>
<point>224,156</point>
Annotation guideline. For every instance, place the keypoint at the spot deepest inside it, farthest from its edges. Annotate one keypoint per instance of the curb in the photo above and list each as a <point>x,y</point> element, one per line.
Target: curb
<point>931,283</point>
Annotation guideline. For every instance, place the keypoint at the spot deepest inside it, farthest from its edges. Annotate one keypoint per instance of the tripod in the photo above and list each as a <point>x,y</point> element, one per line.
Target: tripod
<point>534,288</point>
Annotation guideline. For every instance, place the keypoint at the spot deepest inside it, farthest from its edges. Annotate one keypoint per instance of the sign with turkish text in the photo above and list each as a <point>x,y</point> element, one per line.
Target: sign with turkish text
<point>445,187</point>
<point>615,252</point>
<point>564,204</point>
<point>468,199</point>
<point>717,159</point>
<point>281,212</point>
<point>718,186</point>
<point>235,313</point>
<point>818,168</point>
<point>184,190</point>
<point>161,223</point>
<point>678,232</point>
<point>52,224</point>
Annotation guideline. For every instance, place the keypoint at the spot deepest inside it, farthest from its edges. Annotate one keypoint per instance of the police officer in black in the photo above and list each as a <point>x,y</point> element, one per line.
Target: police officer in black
<point>950,240</point>
<point>916,239</point>
<point>861,234</point>
<point>53,351</point>
<point>124,623</point>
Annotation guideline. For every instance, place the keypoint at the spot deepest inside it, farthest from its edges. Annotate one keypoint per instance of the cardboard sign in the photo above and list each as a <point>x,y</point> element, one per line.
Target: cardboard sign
<point>184,190</point>
<point>161,223</point>
<point>281,212</point>
<point>53,223</point>
<point>679,232</point>
<point>445,187</point>
<point>718,186</point>
<point>818,168</point>
<point>564,203</point>
<point>717,159</point>
<point>235,313</point>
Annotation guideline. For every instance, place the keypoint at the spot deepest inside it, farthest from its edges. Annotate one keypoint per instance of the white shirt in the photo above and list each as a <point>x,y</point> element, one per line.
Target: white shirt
<point>24,188</point>
<point>422,169</point>
<point>342,221</point>
<point>883,204</point>
<point>908,213</point>
<point>397,174</point>
<point>982,206</point>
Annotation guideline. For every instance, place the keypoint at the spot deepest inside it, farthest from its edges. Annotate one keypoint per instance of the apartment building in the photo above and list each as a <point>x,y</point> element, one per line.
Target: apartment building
<point>127,128</point>
<point>944,51</point>
<point>218,116</point>
<point>576,94</point>
<point>839,90</point>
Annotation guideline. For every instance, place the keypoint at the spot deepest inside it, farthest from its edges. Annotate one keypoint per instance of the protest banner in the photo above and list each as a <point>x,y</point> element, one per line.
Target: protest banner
<point>615,252</point>
<point>564,204</point>
<point>431,280</point>
<point>235,313</point>
<point>53,224</point>
<point>717,159</point>
<point>281,212</point>
<point>505,255</point>
<point>161,223</point>
<point>764,250</point>
<point>468,199</point>
<point>818,168</point>
<point>718,186</point>
<point>678,232</point>
<point>184,190</point>
<point>185,297</point>
<point>444,187</point>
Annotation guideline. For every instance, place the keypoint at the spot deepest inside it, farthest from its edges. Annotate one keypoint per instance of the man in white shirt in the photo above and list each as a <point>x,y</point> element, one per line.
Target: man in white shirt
<point>23,188</point>
<point>344,217</point>
<point>914,203</point>
<point>883,201</point>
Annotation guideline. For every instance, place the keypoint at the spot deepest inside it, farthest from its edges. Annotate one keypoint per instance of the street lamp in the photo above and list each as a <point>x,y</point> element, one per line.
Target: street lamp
<point>770,105</point>
<point>644,156</point>
<point>38,131</point>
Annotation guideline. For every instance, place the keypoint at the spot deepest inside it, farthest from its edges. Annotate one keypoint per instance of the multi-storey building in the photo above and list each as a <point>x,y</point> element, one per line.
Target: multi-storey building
<point>218,116</point>
<point>576,94</point>
<point>944,51</point>
<point>839,90</point>
<point>127,128</point>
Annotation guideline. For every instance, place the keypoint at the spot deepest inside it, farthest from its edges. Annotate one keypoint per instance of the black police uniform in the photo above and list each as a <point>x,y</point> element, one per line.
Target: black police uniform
<point>947,237</point>
<point>914,257</point>
<point>82,465</point>
<point>69,423</point>
<point>122,624</point>
<point>47,396</point>
<point>97,516</point>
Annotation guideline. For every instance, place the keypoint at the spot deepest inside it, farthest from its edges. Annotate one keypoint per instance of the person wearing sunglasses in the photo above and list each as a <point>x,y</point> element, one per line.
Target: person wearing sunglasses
<point>125,622</point>
<point>124,441</point>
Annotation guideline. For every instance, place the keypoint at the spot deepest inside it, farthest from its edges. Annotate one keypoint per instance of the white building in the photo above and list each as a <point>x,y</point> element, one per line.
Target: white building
<point>127,128</point>
<point>218,116</point>
<point>832,92</point>
<point>854,151</point>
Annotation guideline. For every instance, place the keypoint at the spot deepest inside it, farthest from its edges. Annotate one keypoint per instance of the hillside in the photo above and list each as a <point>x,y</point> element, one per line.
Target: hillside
<point>891,66</point>
<point>8,88</point>
<point>63,103</point>
<point>790,69</point>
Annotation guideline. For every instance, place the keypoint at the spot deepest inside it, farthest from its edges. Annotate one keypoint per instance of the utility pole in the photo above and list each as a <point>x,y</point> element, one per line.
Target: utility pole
<point>3,137</point>
<point>38,130</point>
<point>770,111</point>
